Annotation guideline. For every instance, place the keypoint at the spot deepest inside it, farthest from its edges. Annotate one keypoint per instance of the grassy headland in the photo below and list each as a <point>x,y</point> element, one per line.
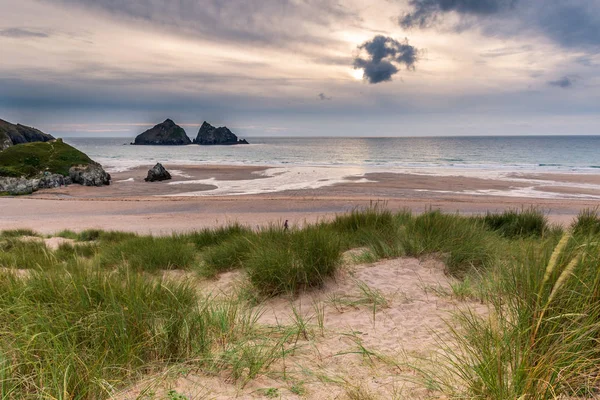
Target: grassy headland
<point>31,159</point>
<point>96,315</point>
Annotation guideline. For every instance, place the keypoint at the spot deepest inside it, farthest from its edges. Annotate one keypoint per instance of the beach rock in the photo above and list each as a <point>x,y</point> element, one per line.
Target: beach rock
<point>49,181</point>
<point>5,141</point>
<point>11,134</point>
<point>166,134</point>
<point>21,186</point>
<point>16,186</point>
<point>209,135</point>
<point>89,175</point>
<point>158,173</point>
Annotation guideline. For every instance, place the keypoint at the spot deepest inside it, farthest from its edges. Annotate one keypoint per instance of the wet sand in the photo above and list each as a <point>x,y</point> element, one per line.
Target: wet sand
<point>131,204</point>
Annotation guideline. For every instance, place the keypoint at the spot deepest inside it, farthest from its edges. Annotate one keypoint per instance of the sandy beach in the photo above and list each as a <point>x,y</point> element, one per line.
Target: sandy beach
<point>203,196</point>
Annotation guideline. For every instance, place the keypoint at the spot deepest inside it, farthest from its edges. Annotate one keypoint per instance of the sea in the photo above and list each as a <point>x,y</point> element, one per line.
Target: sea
<point>310,163</point>
<point>532,153</point>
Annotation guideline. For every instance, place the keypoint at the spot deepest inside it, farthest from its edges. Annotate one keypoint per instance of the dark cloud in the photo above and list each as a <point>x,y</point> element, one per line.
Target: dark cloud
<point>564,82</point>
<point>426,12</point>
<point>20,33</point>
<point>570,23</point>
<point>384,56</point>
<point>323,96</point>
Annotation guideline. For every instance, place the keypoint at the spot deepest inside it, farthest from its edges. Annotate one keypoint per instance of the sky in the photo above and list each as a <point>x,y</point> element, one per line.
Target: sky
<point>302,67</point>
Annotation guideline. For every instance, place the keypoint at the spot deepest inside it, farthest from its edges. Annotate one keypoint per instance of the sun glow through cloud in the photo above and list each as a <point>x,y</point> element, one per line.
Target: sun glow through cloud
<point>357,74</point>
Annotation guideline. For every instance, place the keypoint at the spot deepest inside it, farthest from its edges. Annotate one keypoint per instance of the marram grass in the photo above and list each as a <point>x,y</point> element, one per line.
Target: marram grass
<point>540,339</point>
<point>87,320</point>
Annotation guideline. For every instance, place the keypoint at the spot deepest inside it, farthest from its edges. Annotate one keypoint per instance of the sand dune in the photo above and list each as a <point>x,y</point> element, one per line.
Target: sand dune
<point>400,334</point>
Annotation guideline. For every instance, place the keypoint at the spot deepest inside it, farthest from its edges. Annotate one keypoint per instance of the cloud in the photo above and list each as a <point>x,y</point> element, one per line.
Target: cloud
<point>323,96</point>
<point>384,56</point>
<point>564,82</point>
<point>265,22</point>
<point>20,33</point>
<point>426,12</point>
<point>569,23</point>
<point>573,23</point>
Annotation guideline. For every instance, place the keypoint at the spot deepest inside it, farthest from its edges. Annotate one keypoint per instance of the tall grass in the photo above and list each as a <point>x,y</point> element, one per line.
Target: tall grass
<point>14,233</point>
<point>76,333</point>
<point>517,223</point>
<point>373,217</point>
<point>90,235</point>
<point>214,236</point>
<point>587,222</point>
<point>86,321</point>
<point>540,340</point>
<point>462,242</point>
<point>289,262</point>
<point>226,255</point>
<point>33,254</point>
<point>149,253</point>
<point>83,333</point>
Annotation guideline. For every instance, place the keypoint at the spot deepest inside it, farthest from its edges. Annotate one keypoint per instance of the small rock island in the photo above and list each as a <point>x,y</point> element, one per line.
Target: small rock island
<point>209,135</point>
<point>167,133</point>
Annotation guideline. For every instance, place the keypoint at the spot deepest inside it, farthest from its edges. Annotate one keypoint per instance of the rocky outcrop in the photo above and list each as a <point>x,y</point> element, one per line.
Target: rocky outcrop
<point>27,167</point>
<point>158,173</point>
<point>11,134</point>
<point>5,141</point>
<point>167,134</point>
<point>21,186</point>
<point>209,135</point>
<point>89,175</point>
<point>16,186</point>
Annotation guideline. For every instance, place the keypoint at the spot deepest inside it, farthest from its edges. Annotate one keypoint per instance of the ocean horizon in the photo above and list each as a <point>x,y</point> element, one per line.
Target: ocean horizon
<point>482,153</point>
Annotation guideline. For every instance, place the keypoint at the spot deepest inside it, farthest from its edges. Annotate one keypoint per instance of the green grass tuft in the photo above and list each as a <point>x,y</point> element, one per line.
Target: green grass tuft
<point>147,253</point>
<point>291,261</point>
<point>227,255</point>
<point>517,223</point>
<point>462,242</point>
<point>15,233</point>
<point>214,236</point>
<point>587,222</point>
<point>373,217</point>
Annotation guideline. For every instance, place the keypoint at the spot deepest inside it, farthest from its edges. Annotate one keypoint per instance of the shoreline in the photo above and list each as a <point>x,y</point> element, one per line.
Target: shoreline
<point>214,180</point>
<point>130,204</point>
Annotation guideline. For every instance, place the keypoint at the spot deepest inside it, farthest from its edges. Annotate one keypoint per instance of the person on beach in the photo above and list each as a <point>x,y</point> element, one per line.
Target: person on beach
<point>286,226</point>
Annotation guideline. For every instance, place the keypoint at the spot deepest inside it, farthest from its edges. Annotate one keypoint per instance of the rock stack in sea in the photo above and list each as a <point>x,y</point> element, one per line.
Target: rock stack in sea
<point>209,135</point>
<point>169,133</point>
